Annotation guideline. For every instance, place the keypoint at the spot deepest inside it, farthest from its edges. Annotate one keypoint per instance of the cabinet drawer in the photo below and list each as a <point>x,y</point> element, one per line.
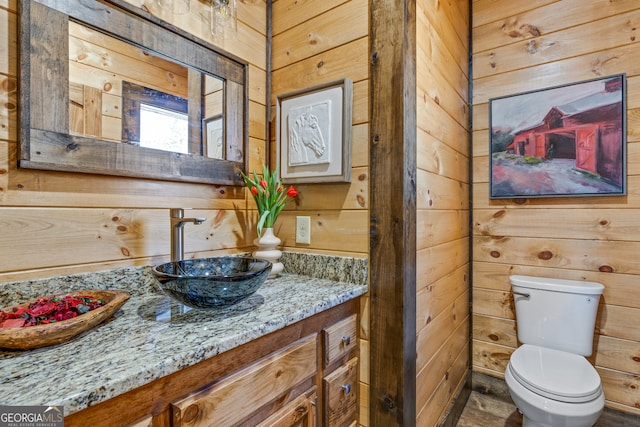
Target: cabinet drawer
<point>340,395</point>
<point>339,339</point>
<point>299,413</point>
<point>229,401</point>
<point>144,422</point>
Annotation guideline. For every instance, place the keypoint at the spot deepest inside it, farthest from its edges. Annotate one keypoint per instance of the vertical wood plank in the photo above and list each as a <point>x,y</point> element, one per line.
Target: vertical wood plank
<point>393,213</point>
<point>194,111</point>
<point>92,111</point>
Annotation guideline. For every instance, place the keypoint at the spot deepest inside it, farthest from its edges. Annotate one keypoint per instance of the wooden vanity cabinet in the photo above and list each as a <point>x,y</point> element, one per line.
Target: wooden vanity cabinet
<point>277,380</point>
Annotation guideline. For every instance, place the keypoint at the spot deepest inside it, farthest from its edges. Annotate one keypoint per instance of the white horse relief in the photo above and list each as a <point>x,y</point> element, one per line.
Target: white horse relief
<point>308,126</point>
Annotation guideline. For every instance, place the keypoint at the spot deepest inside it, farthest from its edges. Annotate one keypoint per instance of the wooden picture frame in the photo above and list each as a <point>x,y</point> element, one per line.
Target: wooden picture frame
<point>561,141</point>
<point>313,133</point>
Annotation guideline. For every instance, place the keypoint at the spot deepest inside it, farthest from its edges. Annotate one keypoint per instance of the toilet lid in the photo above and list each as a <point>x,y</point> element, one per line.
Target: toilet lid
<point>555,374</point>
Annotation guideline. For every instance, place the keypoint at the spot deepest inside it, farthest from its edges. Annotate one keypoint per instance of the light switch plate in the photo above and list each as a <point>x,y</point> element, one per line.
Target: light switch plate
<point>303,230</point>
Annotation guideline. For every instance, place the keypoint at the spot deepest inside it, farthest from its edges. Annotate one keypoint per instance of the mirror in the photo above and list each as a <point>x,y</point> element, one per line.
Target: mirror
<point>110,89</point>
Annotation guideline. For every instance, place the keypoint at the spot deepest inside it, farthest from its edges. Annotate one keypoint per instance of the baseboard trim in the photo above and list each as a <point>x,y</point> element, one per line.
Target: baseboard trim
<point>457,405</point>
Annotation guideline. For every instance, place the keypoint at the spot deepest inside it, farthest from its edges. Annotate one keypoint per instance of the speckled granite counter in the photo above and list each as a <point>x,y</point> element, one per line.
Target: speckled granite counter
<point>151,336</point>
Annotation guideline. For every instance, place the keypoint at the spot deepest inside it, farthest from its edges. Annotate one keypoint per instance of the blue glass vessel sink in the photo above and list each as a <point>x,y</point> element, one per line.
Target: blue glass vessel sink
<point>212,282</point>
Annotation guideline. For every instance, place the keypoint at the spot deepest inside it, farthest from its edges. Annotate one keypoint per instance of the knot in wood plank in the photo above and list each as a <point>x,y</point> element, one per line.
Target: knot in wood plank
<point>530,29</point>
<point>191,413</point>
<point>8,85</point>
<point>389,403</point>
<point>545,255</point>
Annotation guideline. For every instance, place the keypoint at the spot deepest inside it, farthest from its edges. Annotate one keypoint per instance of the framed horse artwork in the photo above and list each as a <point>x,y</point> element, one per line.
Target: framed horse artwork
<point>313,133</point>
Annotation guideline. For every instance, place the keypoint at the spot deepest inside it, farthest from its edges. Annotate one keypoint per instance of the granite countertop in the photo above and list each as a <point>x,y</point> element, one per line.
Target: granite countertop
<point>152,336</point>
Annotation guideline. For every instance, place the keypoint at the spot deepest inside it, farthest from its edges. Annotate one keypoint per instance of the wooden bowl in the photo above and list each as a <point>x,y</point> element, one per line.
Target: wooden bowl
<point>30,337</point>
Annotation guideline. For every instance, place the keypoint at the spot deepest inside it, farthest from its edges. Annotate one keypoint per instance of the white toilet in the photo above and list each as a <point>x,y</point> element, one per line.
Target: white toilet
<point>549,379</point>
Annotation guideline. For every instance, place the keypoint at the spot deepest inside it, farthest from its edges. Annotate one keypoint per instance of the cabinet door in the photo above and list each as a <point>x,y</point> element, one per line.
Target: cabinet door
<point>301,412</point>
<point>340,395</point>
<point>229,401</point>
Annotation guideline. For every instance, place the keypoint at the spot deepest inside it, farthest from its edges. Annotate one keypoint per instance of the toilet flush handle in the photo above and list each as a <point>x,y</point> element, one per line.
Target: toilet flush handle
<point>522,294</point>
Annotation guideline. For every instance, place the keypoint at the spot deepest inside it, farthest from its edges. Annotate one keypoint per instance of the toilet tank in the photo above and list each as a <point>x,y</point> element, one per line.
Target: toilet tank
<point>556,313</point>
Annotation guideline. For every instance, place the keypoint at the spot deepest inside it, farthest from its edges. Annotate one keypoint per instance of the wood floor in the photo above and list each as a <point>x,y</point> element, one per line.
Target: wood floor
<point>490,405</point>
<point>484,410</point>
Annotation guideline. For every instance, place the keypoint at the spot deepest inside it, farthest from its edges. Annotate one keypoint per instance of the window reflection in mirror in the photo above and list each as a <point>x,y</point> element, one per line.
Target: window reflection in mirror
<point>155,119</point>
<point>122,93</point>
<point>164,129</point>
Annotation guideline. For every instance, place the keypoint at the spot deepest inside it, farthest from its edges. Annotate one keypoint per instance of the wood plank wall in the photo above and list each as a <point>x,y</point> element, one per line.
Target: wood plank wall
<point>317,42</point>
<point>57,223</point>
<point>521,46</point>
<point>443,136</point>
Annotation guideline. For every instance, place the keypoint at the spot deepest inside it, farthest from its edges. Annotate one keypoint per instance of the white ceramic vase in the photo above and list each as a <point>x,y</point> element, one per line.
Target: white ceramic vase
<point>268,249</point>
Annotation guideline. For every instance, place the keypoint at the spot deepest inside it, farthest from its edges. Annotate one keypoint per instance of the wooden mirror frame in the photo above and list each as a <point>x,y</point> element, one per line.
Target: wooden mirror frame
<point>45,142</point>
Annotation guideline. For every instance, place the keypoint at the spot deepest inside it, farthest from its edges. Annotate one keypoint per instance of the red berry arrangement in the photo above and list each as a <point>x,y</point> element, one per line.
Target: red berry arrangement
<point>48,310</point>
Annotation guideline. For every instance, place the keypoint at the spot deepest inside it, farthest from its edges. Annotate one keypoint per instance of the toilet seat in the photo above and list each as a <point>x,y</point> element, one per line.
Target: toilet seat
<point>555,374</point>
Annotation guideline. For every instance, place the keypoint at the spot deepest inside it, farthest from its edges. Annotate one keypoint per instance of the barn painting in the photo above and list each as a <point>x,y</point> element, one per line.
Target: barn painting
<point>562,141</point>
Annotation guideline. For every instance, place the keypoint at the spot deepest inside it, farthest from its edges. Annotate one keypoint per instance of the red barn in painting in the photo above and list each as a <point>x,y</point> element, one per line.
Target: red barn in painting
<point>588,130</point>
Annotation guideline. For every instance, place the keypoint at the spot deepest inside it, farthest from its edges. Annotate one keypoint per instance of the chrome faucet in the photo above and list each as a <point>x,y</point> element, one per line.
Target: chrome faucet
<point>177,234</point>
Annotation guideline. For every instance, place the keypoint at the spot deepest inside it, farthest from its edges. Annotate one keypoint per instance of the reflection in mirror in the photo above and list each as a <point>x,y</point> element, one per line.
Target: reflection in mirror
<point>155,119</point>
<point>94,74</point>
<point>153,92</point>
<point>214,137</point>
<point>213,121</point>
<point>164,129</point>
